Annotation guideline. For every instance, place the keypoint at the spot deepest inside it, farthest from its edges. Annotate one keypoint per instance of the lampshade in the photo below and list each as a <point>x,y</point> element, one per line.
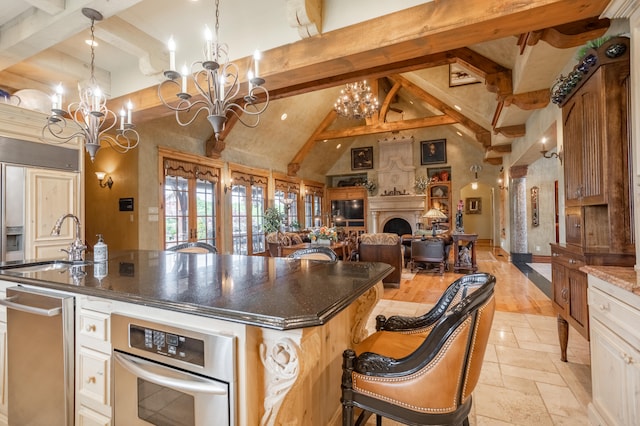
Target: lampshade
<point>434,214</point>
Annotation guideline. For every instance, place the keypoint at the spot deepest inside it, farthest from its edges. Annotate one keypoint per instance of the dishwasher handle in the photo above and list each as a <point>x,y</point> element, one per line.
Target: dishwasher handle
<point>143,369</point>
<point>9,302</point>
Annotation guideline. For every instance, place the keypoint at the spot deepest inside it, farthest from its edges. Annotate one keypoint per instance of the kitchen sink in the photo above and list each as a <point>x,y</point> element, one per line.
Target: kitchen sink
<point>47,265</point>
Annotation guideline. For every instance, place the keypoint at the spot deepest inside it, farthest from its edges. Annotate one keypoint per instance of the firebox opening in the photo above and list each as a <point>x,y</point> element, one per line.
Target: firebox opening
<point>397,226</point>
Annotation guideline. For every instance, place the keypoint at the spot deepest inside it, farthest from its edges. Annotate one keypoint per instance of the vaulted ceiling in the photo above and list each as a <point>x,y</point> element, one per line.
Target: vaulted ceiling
<point>311,48</point>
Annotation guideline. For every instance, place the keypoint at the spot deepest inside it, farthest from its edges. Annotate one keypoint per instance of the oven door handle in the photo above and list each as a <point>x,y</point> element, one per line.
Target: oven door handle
<point>143,369</point>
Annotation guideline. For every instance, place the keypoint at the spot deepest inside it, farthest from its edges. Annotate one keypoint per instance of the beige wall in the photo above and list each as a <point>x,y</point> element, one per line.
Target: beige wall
<point>102,215</point>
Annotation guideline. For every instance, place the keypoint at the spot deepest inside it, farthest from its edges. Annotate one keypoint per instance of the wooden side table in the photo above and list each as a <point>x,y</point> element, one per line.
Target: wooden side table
<point>461,241</point>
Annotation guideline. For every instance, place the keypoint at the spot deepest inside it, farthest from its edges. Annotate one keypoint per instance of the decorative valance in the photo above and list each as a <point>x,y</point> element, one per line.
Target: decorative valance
<point>189,170</point>
<point>242,178</point>
<point>287,186</point>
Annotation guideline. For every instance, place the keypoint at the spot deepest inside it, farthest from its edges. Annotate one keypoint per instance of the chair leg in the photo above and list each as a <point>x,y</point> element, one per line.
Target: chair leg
<point>378,420</point>
<point>465,422</point>
<point>347,415</point>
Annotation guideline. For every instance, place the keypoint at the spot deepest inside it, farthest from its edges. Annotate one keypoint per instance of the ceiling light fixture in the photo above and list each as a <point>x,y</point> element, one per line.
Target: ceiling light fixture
<point>217,83</point>
<point>356,101</point>
<point>475,169</point>
<point>90,114</point>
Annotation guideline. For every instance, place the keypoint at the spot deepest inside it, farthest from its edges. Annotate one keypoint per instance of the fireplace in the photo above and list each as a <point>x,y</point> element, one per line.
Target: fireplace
<point>396,177</point>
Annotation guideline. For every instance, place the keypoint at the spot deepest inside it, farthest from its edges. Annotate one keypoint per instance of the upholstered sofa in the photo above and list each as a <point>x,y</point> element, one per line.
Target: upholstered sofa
<point>383,247</point>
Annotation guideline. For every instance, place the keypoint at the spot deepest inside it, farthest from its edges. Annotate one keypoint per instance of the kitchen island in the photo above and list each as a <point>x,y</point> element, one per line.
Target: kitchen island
<point>291,318</point>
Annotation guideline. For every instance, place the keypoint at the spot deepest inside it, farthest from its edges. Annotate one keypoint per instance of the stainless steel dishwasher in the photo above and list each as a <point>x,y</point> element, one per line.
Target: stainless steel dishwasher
<point>40,341</point>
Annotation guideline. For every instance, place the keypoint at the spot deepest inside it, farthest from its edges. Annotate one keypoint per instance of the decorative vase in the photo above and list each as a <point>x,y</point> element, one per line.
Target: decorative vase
<point>323,242</point>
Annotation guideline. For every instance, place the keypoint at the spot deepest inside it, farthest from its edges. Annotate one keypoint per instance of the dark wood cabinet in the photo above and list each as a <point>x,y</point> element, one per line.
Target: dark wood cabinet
<point>597,164</point>
<point>569,294</point>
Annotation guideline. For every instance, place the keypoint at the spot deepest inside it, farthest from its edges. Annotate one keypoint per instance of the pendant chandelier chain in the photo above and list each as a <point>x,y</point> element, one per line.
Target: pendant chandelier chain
<point>93,53</point>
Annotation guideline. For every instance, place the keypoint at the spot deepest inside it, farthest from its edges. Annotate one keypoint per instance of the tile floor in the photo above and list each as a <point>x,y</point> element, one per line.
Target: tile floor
<point>523,381</point>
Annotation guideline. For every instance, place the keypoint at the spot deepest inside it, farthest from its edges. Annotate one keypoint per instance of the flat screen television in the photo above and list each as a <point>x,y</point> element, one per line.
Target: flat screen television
<point>348,209</point>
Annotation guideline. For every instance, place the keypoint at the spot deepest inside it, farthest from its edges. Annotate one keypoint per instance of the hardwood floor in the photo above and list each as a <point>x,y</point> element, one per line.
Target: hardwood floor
<point>514,291</point>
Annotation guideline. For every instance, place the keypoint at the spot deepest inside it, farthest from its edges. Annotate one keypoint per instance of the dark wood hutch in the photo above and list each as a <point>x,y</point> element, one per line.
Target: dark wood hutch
<point>595,105</point>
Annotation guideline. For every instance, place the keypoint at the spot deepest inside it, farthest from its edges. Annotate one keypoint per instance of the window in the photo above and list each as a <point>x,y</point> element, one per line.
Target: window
<point>286,200</point>
<point>190,201</point>
<point>248,202</point>
<point>313,206</point>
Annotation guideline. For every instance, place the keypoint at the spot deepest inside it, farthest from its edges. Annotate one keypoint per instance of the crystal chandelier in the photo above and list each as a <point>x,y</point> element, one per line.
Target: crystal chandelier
<point>90,114</point>
<point>216,80</point>
<point>356,101</point>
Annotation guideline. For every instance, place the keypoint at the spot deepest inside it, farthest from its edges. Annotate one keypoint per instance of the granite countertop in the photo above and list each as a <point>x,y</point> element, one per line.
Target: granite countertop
<point>278,293</point>
<point>624,277</point>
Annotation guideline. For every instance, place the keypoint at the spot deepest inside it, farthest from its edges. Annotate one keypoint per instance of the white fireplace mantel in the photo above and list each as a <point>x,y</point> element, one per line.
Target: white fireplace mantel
<point>384,208</point>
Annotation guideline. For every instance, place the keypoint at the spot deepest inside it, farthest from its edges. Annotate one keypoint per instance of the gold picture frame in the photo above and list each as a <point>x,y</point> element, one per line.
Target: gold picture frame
<point>473,205</point>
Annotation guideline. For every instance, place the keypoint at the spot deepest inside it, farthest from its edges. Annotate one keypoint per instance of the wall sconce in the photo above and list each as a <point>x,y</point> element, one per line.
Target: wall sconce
<point>101,176</point>
<point>546,154</point>
<point>501,184</point>
<point>475,169</point>
<point>228,186</point>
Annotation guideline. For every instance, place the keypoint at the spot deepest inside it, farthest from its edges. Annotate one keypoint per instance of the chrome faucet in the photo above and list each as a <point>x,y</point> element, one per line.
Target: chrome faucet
<point>77,246</point>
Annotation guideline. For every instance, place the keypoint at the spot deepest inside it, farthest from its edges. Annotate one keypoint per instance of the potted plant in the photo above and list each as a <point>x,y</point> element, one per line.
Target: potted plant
<point>273,220</point>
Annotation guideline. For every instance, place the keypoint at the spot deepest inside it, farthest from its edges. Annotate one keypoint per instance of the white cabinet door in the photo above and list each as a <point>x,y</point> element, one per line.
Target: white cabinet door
<point>609,385</point>
<point>50,194</point>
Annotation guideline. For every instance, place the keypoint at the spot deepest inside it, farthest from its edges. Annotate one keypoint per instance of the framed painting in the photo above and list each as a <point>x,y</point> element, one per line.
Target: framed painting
<point>473,205</point>
<point>535,218</point>
<point>362,158</point>
<point>439,174</point>
<point>460,76</point>
<point>433,152</point>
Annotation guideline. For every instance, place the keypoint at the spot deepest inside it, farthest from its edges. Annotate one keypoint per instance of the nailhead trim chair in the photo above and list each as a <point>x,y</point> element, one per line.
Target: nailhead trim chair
<point>420,380</point>
<point>194,247</point>
<point>315,253</point>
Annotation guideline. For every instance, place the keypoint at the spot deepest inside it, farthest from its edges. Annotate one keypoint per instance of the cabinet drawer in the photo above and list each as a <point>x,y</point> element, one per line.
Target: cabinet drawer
<point>567,260</point>
<point>88,417</point>
<point>93,372</point>
<point>615,314</point>
<point>94,325</point>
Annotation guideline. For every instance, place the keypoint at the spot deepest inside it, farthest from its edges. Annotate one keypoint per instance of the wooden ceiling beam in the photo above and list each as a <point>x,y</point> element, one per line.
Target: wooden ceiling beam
<point>530,100</point>
<point>572,34</point>
<point>415,32</point>
<point>482,135</point>
<point>516,131</point>
<point>416,123</point>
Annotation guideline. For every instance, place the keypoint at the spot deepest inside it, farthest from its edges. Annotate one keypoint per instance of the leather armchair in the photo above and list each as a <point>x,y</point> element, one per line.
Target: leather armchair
<point>429,251</point>
<point>386,248</point>
<point>415,379</point>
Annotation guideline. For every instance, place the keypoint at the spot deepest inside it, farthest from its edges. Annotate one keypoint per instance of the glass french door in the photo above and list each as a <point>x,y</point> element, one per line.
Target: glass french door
<point>189,210</point>
<point>248,202</point>
<point>191,199</point>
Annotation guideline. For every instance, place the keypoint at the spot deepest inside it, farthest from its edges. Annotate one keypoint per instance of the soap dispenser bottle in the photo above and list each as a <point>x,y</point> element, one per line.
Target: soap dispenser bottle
<point>100,251</point>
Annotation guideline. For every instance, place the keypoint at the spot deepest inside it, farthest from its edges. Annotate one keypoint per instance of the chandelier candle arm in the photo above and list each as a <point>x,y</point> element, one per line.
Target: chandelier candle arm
<point>90,115</point>
<point>217,84</point>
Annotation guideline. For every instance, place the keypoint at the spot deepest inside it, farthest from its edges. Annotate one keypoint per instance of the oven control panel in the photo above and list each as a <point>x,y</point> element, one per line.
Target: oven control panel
<point>183,348</point>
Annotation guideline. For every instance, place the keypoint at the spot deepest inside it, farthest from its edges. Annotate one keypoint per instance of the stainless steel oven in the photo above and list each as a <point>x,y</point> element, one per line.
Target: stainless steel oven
<point>170,376</point>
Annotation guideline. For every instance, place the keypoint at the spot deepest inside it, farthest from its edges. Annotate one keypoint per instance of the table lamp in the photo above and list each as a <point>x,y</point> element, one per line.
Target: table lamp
<point>434,215</point>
